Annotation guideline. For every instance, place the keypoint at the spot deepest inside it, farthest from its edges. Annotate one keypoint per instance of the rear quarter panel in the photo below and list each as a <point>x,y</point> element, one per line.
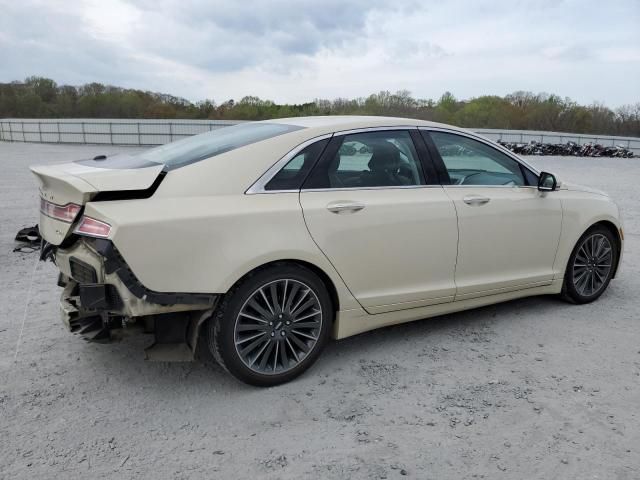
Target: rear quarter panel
<point>204,244</point>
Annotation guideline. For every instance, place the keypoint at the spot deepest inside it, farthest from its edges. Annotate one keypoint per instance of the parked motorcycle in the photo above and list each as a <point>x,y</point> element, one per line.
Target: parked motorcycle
<point>568,149</point>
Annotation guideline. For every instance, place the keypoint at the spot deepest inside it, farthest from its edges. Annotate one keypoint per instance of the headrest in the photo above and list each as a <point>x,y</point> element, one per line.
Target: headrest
<point>385,156</point>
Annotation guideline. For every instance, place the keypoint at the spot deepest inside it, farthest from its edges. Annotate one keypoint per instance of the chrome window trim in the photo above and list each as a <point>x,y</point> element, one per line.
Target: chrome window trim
<point>351,189</point>
<point>488,142</point>
<point>374,129</point>
<point>387,187</point>
<point>491,186</point>
<point>258,185</point>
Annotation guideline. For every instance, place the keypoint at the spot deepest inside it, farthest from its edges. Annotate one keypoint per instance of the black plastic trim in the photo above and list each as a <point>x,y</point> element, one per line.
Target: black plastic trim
<point>428,168</point>
<point>115,263</point>
<point>318,177</point>
<point>438,164</point>
<point>82,272</point>
<point>100,297</point>
<point>47,251</point>
<point>131,194</point>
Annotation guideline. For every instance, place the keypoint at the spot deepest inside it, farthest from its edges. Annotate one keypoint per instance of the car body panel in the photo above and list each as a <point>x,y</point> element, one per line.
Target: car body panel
<point>580,211</point>
<point>506,243</point>
<point>355,321</point>
<point>109,179</point>
<point>209,243</point>
<point>399,251</point>
<point>574,187</point>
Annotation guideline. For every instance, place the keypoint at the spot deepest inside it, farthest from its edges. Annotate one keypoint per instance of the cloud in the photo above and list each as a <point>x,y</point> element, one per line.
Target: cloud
<point>298,50</point>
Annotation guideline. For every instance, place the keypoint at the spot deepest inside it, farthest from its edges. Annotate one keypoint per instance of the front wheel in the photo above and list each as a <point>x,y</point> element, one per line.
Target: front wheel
<point>591,266</point>
<point>272,326</point>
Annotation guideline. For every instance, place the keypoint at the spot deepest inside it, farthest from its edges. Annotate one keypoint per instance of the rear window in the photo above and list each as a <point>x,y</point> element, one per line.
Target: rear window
<point>215,142</point>
<point>196,148</point>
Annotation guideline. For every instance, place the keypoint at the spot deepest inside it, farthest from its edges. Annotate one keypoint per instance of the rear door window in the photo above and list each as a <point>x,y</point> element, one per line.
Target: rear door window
<point>371,159</point>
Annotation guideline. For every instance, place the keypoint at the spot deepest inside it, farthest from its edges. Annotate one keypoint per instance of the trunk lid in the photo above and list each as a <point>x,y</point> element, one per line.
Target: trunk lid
<point>79,182</point>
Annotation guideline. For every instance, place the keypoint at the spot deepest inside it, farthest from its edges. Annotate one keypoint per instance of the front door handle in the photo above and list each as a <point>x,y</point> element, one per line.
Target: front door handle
<point>476,200</point>
<point>345,207</point>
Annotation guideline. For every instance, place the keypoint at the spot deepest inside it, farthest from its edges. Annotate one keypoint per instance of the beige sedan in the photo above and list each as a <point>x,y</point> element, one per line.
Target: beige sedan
<point>268,238</point>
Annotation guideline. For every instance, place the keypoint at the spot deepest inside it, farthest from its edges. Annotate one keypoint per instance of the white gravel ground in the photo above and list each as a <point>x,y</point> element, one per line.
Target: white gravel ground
<point>533,388</point>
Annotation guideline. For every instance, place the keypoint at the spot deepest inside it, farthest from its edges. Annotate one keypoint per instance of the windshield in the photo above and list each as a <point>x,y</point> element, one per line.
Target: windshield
<point>215,142</point>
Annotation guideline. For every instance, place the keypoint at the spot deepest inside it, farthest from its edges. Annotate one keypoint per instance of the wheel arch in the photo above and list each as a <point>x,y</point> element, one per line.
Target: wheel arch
<point>328,282</point>
<point>324,277</point>
<point>615,231</point>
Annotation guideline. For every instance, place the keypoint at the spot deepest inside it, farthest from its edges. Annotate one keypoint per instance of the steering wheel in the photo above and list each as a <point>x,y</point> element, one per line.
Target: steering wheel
<point>463,179</point>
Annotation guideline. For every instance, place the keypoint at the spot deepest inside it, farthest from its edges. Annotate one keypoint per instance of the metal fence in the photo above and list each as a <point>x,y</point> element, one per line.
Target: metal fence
<point>105,131</point>
<point>526,136</point>
<point>158,132</point>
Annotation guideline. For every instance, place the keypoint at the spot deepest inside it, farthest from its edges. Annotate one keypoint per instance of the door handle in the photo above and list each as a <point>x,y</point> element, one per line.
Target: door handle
<point>344,207</point>
<point>476,200</point>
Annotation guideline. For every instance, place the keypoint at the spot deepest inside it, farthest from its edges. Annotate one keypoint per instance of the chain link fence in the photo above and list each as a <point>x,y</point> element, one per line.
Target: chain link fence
<point>158,132</point>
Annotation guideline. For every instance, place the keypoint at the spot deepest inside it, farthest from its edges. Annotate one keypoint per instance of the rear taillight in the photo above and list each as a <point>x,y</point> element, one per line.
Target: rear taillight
<point>93,228</point>
<point>65,213</point>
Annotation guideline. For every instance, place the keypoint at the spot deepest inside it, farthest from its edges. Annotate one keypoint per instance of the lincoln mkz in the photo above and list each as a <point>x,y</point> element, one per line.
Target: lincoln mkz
<point>266,239</point>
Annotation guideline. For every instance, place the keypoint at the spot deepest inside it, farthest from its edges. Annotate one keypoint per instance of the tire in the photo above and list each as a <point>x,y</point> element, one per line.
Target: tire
<point>264,324</point>
<point>591,266</point>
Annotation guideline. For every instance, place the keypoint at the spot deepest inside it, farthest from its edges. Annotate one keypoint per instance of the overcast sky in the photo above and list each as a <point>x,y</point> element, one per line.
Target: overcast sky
<point>296,50</point>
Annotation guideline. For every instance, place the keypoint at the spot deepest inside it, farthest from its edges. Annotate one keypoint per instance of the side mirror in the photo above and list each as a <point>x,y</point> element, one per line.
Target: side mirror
<point>547,182</point>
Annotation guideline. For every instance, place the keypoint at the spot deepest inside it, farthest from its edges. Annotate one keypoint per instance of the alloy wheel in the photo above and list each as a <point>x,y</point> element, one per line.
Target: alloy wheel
<point>278,326</point>
<point>592,264</point>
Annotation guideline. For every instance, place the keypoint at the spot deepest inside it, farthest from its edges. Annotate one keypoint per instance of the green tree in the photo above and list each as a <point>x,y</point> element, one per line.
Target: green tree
<point>45,88</point>
<point>485,112</point>
<point>42,97</point>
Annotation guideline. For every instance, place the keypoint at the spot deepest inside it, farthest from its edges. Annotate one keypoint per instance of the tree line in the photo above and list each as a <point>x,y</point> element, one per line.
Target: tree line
<point>38,97</point>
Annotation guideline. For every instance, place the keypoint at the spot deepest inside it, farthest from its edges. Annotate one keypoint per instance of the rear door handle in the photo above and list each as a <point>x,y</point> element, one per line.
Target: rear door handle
<point>475,200</point>
<point>345,207</point>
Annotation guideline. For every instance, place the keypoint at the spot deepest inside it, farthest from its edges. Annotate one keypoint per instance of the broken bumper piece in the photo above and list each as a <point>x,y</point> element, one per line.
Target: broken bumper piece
<point>92,326</point>
<point>103,301</point>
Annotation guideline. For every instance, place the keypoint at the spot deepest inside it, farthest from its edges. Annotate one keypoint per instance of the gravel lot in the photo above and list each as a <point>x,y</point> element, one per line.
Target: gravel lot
<point>533,388</point>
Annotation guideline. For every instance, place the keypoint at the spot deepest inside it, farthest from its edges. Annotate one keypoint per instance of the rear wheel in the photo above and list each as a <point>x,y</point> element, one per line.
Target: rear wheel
<point>591,266</point>
<point>272,326</point>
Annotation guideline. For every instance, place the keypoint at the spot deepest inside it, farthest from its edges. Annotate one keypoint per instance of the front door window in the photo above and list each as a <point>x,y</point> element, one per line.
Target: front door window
<point>471,162</point>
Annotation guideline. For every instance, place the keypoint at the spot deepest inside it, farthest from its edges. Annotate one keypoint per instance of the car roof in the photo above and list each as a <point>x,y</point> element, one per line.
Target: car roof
<point>335,123</point>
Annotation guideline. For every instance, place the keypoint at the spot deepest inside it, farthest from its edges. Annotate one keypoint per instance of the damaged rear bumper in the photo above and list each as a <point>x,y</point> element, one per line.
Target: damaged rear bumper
<point>102,300</point>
